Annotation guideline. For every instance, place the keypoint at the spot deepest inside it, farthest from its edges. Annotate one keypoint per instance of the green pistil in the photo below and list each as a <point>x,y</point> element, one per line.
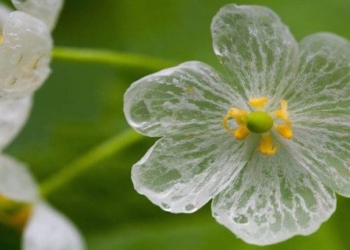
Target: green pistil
<point>259,122</point>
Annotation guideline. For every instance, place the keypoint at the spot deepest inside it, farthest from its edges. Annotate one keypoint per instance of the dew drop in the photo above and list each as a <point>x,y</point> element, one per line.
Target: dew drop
<point>190,208</point>
<point>165,206</point>
<point>240,219</point>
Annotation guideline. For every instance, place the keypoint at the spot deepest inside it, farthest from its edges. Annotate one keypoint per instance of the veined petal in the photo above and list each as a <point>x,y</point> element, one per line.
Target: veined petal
<point>256,48</point>
<point>45,10</point>
<point>319,109</point>
<point>25,55</point>
<point>273,199</point>
<point>15,181</point>
<point>322,87</point>
<point>182,173</point>
<point>49,230</point>
<point>185,97</point>
<point>322,146</point>
<point>13,114</point>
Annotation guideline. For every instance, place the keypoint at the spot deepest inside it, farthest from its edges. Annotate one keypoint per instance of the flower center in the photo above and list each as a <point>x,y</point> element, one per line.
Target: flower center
<point>260,122</point>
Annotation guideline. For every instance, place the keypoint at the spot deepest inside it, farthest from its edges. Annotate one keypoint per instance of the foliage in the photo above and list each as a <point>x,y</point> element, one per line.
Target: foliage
<point>80,106</point>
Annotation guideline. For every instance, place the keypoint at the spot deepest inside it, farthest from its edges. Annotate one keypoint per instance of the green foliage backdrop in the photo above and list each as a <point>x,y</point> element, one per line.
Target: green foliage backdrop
<point>80,106</point>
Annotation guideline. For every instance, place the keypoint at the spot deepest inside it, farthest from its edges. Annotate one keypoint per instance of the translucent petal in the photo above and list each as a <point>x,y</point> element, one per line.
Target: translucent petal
<point>45,10</point>
<point>273,199</point>
<point>319,109</point>
<point>323,83</point>
<point>25,54</point>
<point>49,230</point>
<point>256,48</point>
<point>13,114</point>
<point>181,98</point>
<point>182,173</point>
<point>15,181</point>
<point>322,146</point>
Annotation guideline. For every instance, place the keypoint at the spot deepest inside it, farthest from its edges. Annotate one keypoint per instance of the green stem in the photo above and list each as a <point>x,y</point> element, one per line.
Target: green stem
<point>89,160</point>
<point>112,58</point>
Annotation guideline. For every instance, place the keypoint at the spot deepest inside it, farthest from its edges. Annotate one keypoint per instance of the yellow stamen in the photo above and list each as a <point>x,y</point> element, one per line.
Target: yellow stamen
<point>282,113</point>
<point>1,39</point>
<point>285,130</point>
<point>241,117</point>
<point>14,213</point>
<point>261,122</point>
<point>241,132</point>
<point>258,102</point>
<point>266,145</point>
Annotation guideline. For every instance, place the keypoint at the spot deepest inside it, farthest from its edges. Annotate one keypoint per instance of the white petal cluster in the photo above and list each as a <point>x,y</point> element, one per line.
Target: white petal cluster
<point>25,53</point>
<point>262,199</point>
<point>46,228</point>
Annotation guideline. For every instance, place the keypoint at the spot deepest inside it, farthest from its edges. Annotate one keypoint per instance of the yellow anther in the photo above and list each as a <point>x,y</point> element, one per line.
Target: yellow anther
<point>240,117</point>
<point>283,113</point>
<point>14,213</point>
<point>241,132</point>
<point>260,122</point>
<point>266,146</point>
<point>1,39</point>
<point>285,130</point>
<point>258,102</point>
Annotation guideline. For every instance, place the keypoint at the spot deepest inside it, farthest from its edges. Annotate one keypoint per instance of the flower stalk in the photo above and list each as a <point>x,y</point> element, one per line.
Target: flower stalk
<point>111,58</point>
<point>87,161</point>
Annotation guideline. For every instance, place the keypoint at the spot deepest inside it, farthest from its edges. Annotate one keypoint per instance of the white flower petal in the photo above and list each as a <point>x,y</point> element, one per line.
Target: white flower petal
<point>47,229</point>
<point>319,110</point>
<point>272,200</point>
<point>182,173</point>
<point>323,83</point>
<point>45,10</point>
<point>256,48</point>
<point>13,114</point>
<point>15,181</point>
<point>25,55</point>
<point>322,146</point>
<point>180,98</point>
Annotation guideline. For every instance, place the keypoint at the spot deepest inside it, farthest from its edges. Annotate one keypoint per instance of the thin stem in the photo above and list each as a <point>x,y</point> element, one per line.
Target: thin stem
<point>90,159</point>
<point>112,58</point>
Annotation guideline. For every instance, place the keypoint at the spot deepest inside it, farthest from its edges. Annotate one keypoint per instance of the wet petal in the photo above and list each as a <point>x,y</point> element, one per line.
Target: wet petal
<point>181,98</point>
<point>13,114</point>
<point>323,83</point>
<point>15,181</point>
<point>256,48</point>
<point>25,54</point>
<point>273,199</point>
<point>49,230</point>
<point>322,146</point>
<point>319,109</point>
<point>45,10</point>
<point>182,173</point>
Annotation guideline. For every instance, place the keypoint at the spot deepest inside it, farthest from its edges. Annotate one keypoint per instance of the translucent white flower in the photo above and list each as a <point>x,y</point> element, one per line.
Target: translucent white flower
<point>25,51</point>
<point>45,10</point>
<point>43,228</point>
<point>268,144</point>
<point>26,45</point>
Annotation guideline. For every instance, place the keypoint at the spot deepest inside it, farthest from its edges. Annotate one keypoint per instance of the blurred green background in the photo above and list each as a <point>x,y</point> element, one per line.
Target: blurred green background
<point>80,106</point>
